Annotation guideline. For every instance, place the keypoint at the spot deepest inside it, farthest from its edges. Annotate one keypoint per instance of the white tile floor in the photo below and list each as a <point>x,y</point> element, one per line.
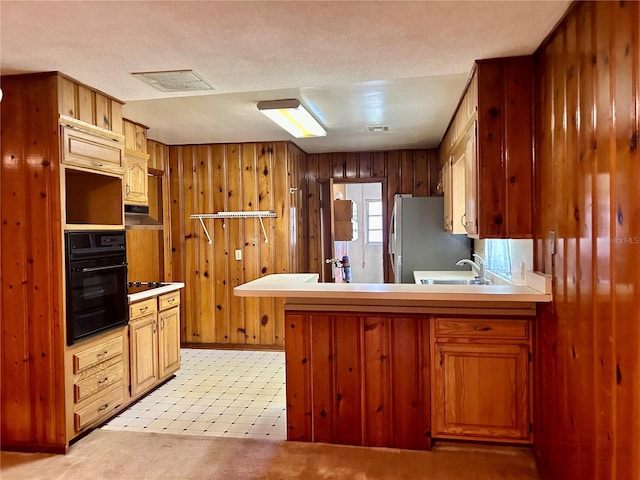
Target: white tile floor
<point>219,393</point>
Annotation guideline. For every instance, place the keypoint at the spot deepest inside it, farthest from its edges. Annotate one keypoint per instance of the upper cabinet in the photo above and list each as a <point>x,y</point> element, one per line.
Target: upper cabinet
<point>491,134</point>
<point>136,158</point>
<point>89,106</point>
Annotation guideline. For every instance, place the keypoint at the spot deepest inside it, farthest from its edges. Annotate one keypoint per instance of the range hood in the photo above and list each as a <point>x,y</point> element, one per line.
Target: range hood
<point>137,217</point>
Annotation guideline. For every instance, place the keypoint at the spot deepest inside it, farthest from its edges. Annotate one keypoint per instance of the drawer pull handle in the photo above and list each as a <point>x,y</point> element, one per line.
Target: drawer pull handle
<point>482,329</point>
<point>97,164</point>
<point>171,300</point>
<point>100,382</point>
<point>103,407</point>
<point>144,309</point>
<point>101,354</point>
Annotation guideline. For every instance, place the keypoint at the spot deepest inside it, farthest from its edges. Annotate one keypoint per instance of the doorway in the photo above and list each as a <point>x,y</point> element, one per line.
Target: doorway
<point>358,230</point>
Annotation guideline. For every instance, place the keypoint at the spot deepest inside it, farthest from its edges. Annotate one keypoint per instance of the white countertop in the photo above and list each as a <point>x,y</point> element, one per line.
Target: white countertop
<point>169,287</point>
<point>299,286</point>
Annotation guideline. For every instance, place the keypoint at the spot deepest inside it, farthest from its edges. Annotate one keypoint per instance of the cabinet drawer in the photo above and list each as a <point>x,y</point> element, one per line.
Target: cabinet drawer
<point>103,376</point>
<point>144,307</point>
<point>99,408</point>
<point>88,357</point>
<point>481,328</point>
<point>169,300</point>
<point>92,151</point>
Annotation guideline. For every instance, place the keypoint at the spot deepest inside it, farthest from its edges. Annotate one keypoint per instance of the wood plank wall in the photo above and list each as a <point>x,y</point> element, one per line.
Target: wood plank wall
<point>358,379</point>
<point>235,177</point>
<point>400,171</point>
<point>32,343</point>
<point>588,178</point>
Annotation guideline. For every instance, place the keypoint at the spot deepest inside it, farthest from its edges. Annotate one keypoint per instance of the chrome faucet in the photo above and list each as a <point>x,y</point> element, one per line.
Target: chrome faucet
<point>477,267</point>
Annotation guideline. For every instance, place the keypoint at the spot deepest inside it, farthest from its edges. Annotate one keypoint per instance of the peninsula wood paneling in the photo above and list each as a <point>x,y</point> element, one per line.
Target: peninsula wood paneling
<point>32,344</point>
<point>358,379</point>
<point>400,171</point>
<point>235,177</point>
<point>587,380</point>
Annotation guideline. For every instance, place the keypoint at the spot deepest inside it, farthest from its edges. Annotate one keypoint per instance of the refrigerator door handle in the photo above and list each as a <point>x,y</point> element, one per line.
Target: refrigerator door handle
<point>392,240</point>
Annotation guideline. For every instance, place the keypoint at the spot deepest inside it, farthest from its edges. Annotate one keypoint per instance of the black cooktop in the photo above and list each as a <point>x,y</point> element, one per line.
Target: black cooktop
<point>137,287</point>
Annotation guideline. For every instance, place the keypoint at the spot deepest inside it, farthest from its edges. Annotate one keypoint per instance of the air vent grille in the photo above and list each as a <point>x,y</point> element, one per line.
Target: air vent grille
<point>175,81</point>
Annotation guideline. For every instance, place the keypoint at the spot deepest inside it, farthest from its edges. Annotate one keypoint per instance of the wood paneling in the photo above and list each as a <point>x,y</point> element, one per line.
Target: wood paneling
<point>587,179</point>
<point>235,177</point>
<point>358,380</point>
<point>33,403</point>
<point>405,171</point>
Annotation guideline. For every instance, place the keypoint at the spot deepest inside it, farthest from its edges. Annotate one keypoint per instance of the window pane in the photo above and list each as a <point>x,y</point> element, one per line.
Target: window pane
<point>375,207</point>
<point>375,236</point>
<point>375,223</point>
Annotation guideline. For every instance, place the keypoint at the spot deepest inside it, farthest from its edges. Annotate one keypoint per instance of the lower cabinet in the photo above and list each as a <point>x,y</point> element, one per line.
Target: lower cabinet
<point>99,379</point>
<point>400,380</point>
<point>143,344</point>
<point>168,341</point>
<point>481,374</point>
<point>154,340</point>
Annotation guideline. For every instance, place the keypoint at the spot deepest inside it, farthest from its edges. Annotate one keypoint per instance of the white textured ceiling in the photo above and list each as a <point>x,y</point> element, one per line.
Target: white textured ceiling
<point>401,64</point>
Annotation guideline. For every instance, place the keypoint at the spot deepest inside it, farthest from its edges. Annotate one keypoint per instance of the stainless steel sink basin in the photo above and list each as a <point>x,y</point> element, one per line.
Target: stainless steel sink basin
<point>450,281</point>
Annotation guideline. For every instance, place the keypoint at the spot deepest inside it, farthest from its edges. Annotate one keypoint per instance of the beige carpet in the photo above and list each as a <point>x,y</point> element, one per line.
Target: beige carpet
<point>117,455</point>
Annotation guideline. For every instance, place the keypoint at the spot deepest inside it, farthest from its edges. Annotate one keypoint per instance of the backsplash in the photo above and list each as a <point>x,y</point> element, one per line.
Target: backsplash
<point>520,251</point>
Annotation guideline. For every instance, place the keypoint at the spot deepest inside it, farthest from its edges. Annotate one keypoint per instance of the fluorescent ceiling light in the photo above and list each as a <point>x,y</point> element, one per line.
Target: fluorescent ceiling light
<point>293,117</point>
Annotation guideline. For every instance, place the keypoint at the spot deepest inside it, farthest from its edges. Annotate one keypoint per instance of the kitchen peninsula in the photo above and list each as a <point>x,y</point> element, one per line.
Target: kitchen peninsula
<point>398,365</point>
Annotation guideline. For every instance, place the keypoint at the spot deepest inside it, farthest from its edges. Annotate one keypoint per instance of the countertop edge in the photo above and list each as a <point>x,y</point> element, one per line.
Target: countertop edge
<point>154,292</point>
<point>272,286</point>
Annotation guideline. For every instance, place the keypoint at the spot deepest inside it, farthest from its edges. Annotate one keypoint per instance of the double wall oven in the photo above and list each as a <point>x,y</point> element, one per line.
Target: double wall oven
<point>96,269</point>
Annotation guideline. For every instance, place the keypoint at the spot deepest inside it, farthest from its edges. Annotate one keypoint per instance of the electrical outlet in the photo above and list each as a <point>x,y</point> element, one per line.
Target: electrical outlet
<point>238,254</point>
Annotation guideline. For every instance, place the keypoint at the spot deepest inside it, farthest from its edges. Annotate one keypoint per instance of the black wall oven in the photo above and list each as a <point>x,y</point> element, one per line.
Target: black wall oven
<point>96,268</point>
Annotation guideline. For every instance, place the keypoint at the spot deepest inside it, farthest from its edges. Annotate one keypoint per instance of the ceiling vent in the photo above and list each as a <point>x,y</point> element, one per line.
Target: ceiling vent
<point>175,81</point>
<point>377,128</point>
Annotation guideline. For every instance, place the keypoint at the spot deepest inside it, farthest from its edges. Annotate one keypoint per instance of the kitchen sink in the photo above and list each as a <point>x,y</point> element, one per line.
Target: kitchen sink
<point>450,281</point>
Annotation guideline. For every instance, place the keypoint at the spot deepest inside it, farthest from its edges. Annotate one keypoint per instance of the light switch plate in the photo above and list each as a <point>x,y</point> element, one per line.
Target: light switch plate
<point>238,254</point>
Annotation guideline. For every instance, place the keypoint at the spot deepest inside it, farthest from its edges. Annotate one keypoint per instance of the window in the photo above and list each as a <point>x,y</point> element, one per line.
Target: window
<point>374,221</point>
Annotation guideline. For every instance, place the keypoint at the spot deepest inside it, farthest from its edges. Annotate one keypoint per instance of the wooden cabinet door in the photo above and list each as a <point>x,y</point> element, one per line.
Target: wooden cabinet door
<point>92,151</point>
<point>169,341</point>
<point>448,195</point>
<point>135,183</point>
<point>481,391</point>
<point>471,181</point>
<point>458,193</point>
<point>143,338</point>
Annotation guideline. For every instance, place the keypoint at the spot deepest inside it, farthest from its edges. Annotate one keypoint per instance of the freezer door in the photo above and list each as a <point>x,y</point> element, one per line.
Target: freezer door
<point>395,236</point>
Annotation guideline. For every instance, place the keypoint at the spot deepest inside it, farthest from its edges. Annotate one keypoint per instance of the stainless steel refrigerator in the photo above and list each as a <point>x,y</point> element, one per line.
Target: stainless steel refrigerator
<point>417,240</point>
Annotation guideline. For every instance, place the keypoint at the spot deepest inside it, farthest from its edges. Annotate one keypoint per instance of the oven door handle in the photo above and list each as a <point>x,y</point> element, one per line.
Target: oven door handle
<point>96,269</point>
